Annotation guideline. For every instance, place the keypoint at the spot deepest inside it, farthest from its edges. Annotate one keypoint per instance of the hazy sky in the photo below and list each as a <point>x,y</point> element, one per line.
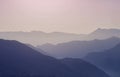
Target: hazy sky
<point>74,16</point>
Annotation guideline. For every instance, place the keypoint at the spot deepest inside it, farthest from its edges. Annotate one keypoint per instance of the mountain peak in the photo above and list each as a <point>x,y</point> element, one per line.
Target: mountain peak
<point>105,33</point>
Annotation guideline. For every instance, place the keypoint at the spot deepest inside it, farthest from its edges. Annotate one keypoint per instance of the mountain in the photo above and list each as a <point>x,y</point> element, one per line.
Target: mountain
<point>39,38</point>
<point>108,60</point>
<point>19,60</point>
<point>41,51</point>
<point>104,33</point>
<point>78,65</point>
<point>79,49</point>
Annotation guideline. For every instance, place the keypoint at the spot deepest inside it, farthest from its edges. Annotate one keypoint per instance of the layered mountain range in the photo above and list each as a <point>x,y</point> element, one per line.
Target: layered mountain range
<point>19,60</point>
<point>78,49</point>
<point>108,60</point>
<point>39,38</point>
<point>60,54</point>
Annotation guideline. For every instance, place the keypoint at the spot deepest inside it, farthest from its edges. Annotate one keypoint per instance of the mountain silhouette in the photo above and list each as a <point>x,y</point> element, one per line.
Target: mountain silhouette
<point>19,60</point>
<point>39,37</point>
<point>79,49</point>
<point>108,60</point>
<point>104,33</point>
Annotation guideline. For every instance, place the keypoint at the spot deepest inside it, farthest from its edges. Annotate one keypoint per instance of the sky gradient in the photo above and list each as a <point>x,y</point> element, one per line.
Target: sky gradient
<point>73,16</point>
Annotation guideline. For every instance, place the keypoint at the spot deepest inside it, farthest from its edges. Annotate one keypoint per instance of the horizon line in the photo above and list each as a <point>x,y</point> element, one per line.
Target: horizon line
<point>61,31</point>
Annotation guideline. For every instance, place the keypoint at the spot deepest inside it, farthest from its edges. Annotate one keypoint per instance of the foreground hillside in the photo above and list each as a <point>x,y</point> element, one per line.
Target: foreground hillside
<point>19,60</point>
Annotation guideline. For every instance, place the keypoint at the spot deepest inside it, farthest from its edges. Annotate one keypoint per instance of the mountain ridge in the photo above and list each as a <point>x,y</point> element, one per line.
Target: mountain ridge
<point>78,49</point>
<point>19,60</point>
<point>39,37</point>
<point>107,60</point>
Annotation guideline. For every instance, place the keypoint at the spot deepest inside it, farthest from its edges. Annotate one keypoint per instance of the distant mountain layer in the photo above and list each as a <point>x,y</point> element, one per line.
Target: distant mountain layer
<point>78,49</point>
<point>19,60</point>
<point>39,38</point>
<point>108,60</point>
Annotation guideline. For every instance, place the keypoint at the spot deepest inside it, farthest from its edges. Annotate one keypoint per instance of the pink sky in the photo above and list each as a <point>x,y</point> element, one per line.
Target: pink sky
<point>76,16</point>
